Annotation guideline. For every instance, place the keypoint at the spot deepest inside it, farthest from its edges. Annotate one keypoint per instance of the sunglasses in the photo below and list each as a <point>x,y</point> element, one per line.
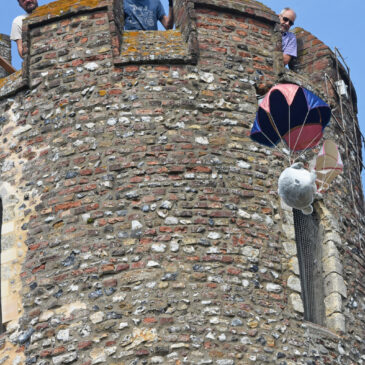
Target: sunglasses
<point>288,20</point>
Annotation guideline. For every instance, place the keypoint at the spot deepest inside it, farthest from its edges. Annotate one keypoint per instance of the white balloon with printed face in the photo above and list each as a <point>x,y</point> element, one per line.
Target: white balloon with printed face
<point>297,187</point>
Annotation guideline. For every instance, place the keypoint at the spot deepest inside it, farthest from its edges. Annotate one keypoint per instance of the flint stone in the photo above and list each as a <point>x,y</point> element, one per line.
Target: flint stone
<point>65,358</point>
<point>274,288</point>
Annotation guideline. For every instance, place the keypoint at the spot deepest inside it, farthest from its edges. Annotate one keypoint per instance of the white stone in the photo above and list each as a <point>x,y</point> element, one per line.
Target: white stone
<point>336,322</point>
<point>202,140</point>
<point>243,214</point>
<point>65,358</point>
<point>250,252</point>
<point>7,165</point>
<point>136,225</point>
<point>18,361</point>
<point>329,250</point>
<point>222,337</point>
<point>98,356</point>
<point>90,125</point>
<point>97,317</point>
<point>112,121</point>
<point>290,248</point>
<point>171,220</point>
<point>334,283</point>
<point>332,236</point>
<point>124,120</point>
<point>166,204</point>
<point>213,250</point>
<point>214,320</point>
<point>91,66</point>
<point>296,302</point>
<point>153,264</point>
<point>274,288</point>
<point>110,350</point>
<point>162,214</point>
<point>294,265</point>
<point>21,130</point>
<point>210,335</point>
<point>332,264</point>
<point>157,360</point>
<point>214,235</point>
<point>174,246</point>
<point>243,164</point>
<point>225,362</point>
<point>63,335</point>
<point>123,325</point>
<point>245,283</point>
<point>119,297</point>
<point>206,77</point>
<point>158,247</point>
<point>333,303</point>
<point>268,221</point>
<point>294,283</point>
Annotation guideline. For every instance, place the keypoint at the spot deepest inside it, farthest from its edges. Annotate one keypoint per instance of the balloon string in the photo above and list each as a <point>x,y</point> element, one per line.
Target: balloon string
<point>308,145</point>
<point>300,132</point>
<point>273,144</point>
<point>324,181</point>
<point>290,152</point>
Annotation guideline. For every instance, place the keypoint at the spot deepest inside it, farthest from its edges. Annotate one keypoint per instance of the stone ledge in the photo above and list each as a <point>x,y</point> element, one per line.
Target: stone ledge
<point>317,331</point>
<point>62,8</point>
<point>11,84</point>
<point>250,7</point>
<point>151,47</point>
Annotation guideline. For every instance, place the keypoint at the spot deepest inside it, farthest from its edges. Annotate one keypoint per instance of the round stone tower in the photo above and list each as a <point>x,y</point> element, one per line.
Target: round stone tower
<point>141,225</point>
<point>5,52</point>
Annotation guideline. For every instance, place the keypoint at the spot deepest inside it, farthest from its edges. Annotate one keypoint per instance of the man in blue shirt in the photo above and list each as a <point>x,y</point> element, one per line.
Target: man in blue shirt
<point>144,14</point>
<point>289,41</point>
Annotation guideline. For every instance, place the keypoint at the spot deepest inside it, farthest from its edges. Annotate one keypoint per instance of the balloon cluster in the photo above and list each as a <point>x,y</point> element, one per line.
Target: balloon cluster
<point>297,117</point>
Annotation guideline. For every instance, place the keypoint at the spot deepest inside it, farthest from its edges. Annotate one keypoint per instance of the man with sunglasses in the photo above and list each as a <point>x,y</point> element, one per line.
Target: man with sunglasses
<point>16,28</point>
<point>289,41</point>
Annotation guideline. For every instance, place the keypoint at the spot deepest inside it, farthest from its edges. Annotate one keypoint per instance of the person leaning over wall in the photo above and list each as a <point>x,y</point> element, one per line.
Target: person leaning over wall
<point>289,41</point>
<point>16,28</point>
<point>144,14</point>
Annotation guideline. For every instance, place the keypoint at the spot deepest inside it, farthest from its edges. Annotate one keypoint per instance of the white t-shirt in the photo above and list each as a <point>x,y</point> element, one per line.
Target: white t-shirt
<point>16,28</point>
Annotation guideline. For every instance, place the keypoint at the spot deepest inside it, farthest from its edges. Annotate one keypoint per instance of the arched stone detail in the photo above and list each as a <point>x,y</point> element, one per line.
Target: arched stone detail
<point>334,285</point>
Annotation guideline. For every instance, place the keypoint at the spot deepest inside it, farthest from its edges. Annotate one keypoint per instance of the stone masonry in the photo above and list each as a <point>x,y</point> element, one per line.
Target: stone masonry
<point>5,52</point>
<point>141,225</point>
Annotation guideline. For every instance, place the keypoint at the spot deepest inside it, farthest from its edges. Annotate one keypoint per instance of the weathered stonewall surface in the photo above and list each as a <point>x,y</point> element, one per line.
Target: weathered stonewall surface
<point>141,225</point>
<point>5,52</point>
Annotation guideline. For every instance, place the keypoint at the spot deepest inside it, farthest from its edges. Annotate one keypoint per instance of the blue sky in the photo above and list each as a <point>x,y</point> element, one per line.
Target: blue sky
<point>336,23</point>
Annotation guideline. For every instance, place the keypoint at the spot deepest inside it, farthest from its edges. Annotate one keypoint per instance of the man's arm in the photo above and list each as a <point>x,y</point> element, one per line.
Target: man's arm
<point>16,33</point>
<point>286,58</point>
<point>168,21</point>
<point>19,44</point>
<point>290,50</point>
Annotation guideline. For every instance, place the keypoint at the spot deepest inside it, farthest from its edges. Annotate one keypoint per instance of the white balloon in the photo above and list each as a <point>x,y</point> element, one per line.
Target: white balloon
<point>297,187</point>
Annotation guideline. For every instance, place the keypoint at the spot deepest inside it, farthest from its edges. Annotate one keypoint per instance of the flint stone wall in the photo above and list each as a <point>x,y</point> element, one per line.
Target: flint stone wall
<point>146,227</point>
<point>5,52</point>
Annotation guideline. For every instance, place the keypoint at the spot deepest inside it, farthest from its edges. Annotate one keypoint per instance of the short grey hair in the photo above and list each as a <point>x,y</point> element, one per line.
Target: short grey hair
<point>286,9</point>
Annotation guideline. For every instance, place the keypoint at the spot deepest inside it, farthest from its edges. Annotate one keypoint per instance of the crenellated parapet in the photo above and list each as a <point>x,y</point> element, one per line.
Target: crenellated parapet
<point>141,224</point>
